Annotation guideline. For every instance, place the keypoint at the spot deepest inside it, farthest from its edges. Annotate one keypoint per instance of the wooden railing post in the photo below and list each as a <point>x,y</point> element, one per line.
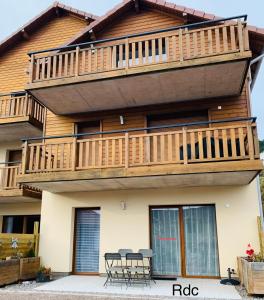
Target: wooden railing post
<point>184,145</point>
<point>36,238</point>
<point>74,154</point>
<point>180,45</point>
<point>240,36</point>
<point>77,61</point>
<point>31,69</point>
<point>261,236</point>
<point>24,158</point>
<point>256,141</point>
<point>126,150</point>
<point>250,142</point>
<point>127,53</point>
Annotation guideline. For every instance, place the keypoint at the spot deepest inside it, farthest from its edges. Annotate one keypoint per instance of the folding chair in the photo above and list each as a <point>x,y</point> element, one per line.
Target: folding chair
<point>123,252</point>
<point>147,255</point>
<point>115,271</point>
<point>136,270</point>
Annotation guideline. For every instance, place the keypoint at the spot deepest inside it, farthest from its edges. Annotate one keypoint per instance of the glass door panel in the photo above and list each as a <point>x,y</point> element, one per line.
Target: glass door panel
<point>87,236</point>
<point>166,241</point>
<point>201,249</point>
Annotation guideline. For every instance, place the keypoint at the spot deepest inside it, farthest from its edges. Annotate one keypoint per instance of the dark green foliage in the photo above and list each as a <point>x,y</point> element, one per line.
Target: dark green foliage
<point>30,253</point>
<point>261,146</point>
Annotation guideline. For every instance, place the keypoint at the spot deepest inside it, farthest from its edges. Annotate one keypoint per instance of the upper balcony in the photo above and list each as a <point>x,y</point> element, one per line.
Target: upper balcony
<point>20,116</point>
<point>212,153</point>
<point>10,190</point>
<point>195,61</point>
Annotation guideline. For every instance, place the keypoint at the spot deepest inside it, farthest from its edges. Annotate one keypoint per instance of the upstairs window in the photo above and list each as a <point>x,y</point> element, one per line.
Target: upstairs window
<point>88,127</point>
<point>184,117</point>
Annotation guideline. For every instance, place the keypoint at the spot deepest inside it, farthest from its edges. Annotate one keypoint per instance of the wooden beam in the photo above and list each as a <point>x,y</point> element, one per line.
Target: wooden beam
<point>92,35</point>
<point>25,34</point>
<point>137,5</point>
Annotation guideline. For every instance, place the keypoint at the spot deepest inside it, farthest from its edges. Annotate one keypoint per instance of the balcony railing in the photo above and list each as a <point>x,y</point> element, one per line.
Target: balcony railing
<point>8,176</point>
<point>180,144</point>
<point>177,44</point>
<point>20,105</point>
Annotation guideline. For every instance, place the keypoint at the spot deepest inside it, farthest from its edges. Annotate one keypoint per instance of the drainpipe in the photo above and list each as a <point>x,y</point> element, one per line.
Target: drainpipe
<point>259,61</point>
<point>260,203</point>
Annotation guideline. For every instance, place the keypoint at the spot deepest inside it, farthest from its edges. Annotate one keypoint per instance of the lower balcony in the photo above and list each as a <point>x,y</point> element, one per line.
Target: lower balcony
<point>20,116</point>
<point>213,154</point>
<point>11,191</point>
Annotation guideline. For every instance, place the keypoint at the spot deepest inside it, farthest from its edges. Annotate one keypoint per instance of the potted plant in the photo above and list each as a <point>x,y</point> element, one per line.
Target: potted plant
<point>29,265</point>
<point>251,271</point>
<point>44,274</point>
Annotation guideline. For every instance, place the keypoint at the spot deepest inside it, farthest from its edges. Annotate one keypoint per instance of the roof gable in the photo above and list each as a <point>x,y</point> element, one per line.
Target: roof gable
<point>172,8</point>
<point>53,11</point>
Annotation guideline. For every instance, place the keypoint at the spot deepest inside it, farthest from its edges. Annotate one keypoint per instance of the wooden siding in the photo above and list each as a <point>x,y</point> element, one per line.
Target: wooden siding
<point>146,20</point>
<point>14,63</point>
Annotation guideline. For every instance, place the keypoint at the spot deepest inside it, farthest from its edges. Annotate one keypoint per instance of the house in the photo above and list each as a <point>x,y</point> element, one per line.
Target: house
<point>147,136</point>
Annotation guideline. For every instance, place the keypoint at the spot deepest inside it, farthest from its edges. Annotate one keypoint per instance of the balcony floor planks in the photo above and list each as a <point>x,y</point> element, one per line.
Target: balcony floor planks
<point>209,174</point>
<point>19,196</point>
<point>87,89</point>
<point>15,128</point>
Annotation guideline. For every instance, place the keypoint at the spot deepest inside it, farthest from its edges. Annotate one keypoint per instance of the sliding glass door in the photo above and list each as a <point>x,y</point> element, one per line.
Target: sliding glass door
<point>201,251</point>
<point>184,241</point>
<point>166,241</point>
<point>87,237</point>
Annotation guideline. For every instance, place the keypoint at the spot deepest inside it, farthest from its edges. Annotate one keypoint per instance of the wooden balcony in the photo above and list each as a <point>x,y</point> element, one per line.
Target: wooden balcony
<point>11,191</point>
<point>196,61</point>
<point>20,116</point>
<point>220,154</point>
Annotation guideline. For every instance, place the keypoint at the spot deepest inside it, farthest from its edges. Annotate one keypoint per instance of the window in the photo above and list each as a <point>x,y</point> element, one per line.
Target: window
<point>184,117</point>
<point>14,157</point>
<point>19,224</point>
<point>88,127</point>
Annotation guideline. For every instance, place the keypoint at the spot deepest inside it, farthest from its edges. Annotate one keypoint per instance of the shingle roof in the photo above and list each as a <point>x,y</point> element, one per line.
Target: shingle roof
<point>160,4</point>
<point>43,16</point>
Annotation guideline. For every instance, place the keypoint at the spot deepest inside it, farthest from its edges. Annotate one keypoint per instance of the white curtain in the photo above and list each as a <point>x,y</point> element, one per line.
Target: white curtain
<point>166,241</point>
<point>201,241</point>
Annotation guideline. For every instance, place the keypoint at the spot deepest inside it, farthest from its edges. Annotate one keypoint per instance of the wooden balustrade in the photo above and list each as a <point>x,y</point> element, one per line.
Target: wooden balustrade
<point>180,146</point>
<point>12,105</point>
<point>171,46</point>
<point>8,177</point>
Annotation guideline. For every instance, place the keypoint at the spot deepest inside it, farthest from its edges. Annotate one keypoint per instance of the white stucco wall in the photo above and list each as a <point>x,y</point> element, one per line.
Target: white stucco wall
<point>236,211</point>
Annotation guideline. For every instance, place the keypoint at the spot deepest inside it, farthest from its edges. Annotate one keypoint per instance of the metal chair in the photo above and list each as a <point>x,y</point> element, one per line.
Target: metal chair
<point>123,252</point>
<point>115,270</point>
<point>147,255</point>
<point>136,270</point>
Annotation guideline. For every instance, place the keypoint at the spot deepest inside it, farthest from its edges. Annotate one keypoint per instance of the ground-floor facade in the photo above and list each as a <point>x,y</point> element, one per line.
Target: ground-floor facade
<point>192,231</point>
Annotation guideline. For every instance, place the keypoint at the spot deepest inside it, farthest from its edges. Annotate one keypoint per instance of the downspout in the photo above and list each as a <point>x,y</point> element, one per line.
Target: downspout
<point>258,60</point>
<point>260,203</point>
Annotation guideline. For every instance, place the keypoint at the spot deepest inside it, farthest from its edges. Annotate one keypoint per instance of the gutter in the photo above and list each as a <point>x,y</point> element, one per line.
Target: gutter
<point>260,203</point>
<point>257,60</point>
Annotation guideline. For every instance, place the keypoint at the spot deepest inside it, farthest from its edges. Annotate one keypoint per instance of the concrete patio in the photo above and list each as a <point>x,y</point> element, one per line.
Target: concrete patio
<point>207,289</point>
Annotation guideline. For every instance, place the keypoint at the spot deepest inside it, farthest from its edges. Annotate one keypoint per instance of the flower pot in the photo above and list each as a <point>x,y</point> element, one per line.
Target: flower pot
<point>42,277</point>
<point>9,271</point>
<point>251,275</point>
<point>29,268</point>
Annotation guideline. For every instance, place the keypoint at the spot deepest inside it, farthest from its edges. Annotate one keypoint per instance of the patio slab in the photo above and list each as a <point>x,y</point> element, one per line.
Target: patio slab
<point>207,288</point>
